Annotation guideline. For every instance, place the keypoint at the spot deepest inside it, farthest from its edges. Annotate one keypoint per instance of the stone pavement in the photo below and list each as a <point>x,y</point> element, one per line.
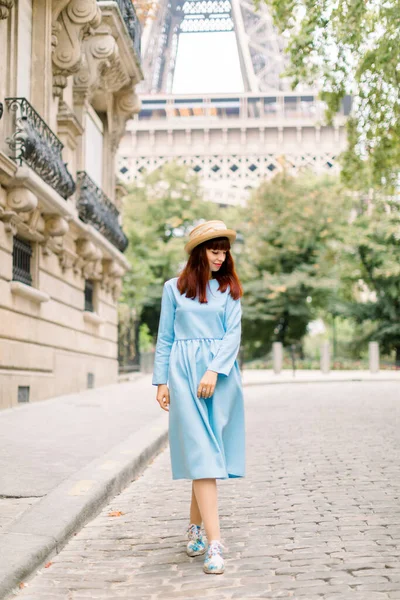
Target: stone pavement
<point>316,517</point>
<point>62,459</point>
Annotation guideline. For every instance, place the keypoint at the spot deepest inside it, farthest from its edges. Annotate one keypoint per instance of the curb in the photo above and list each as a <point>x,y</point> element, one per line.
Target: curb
<point>82,496</point>
<point>328,380</point>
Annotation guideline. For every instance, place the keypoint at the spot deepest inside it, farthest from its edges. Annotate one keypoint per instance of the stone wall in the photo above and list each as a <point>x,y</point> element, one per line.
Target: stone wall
<point>81,64</point>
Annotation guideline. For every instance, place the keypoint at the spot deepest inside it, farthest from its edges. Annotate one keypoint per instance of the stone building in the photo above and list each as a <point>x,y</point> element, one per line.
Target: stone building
<point>67,87</point>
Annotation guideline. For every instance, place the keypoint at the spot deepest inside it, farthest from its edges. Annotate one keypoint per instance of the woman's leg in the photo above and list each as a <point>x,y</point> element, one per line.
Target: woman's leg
<point>195,515</point>
<point>205,491</point>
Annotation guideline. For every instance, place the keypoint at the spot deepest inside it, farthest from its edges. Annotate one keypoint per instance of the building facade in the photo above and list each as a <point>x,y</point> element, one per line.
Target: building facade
<point>67,87</point>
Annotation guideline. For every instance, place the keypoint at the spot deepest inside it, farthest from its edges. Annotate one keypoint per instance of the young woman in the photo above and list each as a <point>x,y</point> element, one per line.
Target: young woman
<point>199,381</point>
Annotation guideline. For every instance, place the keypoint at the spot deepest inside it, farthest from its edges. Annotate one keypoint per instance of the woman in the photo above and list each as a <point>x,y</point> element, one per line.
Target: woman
<point>199,380</point>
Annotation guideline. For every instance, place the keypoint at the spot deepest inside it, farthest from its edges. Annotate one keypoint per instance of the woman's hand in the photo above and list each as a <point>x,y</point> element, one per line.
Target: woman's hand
<point>163,396</point>
<point>207,384</point>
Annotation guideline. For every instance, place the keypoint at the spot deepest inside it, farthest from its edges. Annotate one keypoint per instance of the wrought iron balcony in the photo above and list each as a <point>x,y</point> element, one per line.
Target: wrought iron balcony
<point>33,142</point>
<point>96,208</point>
<point>132,22</point>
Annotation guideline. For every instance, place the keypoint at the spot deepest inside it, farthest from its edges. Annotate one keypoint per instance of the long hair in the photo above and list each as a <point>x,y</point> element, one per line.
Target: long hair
<point>195,276</point>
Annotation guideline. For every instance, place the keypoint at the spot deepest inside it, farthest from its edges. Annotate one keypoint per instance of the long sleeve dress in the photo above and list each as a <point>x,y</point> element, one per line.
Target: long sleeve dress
<point>206,435</point>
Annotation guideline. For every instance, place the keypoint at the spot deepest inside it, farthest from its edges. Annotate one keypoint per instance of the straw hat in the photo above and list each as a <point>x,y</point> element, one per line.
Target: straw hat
<point>208,231</point>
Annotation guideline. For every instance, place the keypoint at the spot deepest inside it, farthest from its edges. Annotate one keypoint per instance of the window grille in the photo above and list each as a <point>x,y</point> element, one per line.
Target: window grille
<point>23,393</point>
<point>89,295</point>
<point>22,254</point>
<point>90,380</point>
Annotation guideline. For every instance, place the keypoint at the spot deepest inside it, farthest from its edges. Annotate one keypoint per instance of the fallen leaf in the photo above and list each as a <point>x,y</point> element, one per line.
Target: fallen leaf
<point>21,585</point>
<point>115,513</point>
<point>47,565</point>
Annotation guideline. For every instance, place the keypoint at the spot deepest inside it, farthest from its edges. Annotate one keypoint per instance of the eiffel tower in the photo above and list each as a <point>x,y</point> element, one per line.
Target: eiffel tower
<point>235,140</point>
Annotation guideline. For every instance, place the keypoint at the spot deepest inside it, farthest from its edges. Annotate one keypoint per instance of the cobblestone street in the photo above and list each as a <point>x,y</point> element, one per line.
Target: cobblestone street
<point>317,516</point>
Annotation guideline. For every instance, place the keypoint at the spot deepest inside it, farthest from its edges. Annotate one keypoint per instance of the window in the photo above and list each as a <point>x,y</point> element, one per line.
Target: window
<point>94,147</point>
<point>22,254</point>
<point>89,285</point>
<point>24,49</point>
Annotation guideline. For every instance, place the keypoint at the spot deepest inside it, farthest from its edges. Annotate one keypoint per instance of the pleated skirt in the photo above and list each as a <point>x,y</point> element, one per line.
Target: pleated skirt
<point>206,435</point>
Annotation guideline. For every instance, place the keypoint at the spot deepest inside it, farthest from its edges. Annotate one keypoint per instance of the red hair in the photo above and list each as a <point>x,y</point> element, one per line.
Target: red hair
<point>195,276</point>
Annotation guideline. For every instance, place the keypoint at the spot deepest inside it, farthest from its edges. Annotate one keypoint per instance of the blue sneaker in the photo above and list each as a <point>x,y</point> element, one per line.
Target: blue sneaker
<point>214,560</point>
<point>197,543</point>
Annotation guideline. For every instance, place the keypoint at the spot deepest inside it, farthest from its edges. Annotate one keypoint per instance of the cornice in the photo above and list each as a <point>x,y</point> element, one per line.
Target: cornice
<point>112,17</point>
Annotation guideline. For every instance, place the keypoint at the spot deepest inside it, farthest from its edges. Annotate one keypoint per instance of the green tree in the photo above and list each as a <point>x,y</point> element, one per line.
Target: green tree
<point>290,255</point>
<point>351,47</point>
<point>158,213</point>
<point>371,272</point>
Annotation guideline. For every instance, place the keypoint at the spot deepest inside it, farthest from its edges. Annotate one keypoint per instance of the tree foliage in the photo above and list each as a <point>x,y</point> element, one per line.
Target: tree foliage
<point>371,271</point>
<point>290,257</point>
<point>351,47</point>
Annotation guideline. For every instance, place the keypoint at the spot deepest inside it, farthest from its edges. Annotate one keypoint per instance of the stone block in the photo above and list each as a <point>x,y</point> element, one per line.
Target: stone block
<point>5,264</point>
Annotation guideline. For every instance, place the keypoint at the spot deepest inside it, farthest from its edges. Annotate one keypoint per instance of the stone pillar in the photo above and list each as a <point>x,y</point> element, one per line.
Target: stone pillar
<point>325,358</point>
<point>277,354</point>
<point>146,362</point>
<point>373,348</point>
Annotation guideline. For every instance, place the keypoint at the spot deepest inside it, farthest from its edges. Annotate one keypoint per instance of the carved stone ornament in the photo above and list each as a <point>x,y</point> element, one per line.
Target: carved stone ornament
<point>36,221</point>
<point>52,245</point>
<point>22,215</point>
<point>21,200</point>
<point>10,220</point>
<point>93,270</point>
<point>89,261</point>
<point>5,7</point>
<point>56,226</point>
<point>86,249</point>
<point>112,275</point>
<point>72,20</point>
<point>126,104</point>
<point>67,259</point>
<point>100,59</point>
<point>29,224</point>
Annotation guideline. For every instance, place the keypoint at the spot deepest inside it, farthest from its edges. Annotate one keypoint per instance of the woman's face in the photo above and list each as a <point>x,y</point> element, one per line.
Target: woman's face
<point>215,258</point>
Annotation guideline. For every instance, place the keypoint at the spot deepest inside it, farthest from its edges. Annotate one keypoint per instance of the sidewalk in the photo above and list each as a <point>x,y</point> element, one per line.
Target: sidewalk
<point>264,376</point>
<point>62,459</point>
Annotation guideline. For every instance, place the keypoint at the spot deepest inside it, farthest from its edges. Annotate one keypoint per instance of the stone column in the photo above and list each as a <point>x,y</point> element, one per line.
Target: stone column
<point>373,348</point>
<point>325,358</point>
<point>277,353</point>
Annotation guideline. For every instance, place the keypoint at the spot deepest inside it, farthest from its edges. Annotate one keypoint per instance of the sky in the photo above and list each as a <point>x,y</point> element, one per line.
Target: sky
<point>207,63</point>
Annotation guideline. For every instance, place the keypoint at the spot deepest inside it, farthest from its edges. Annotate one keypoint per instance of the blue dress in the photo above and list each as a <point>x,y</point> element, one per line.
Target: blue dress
<point>206,435</point>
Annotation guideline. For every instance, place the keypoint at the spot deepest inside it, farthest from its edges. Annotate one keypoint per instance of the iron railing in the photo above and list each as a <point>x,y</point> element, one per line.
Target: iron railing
<point>132,23</point>
<point>34,142</point>
<point>96,208</point>
<point>22,254</point>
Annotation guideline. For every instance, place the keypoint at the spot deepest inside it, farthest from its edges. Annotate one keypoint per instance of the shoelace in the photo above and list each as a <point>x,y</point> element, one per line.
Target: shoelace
<point>194,532</point>
<point>215,548</point>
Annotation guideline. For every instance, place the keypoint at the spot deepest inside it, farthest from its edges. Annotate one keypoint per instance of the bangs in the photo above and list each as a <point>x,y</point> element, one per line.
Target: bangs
<point>220,243</point>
